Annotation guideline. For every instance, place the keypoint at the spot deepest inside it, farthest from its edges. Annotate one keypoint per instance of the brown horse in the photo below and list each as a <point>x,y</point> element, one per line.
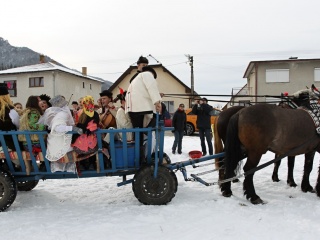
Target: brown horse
<point>257,129</point>
<point>220,132</point>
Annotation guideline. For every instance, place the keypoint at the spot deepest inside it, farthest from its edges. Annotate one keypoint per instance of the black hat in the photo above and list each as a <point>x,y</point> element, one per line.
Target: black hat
<point>204,99</point>
<point>3,89</point>
<point>149,69</point>
<point>46,98</point>
<point>142,60</point>
<point>106,93</point>
<point>74,102</point>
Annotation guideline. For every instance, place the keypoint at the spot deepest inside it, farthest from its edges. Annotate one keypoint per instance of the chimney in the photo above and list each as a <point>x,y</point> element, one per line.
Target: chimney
<point>84,71</point>
<point>42,58</point>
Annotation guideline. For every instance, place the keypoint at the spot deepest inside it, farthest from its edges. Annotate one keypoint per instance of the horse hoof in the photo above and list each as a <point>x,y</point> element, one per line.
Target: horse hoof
<point>227,193</point>
<point>275,179</point>
<point>292,184</point>
<point>308,189</point>
<point>257,201</point>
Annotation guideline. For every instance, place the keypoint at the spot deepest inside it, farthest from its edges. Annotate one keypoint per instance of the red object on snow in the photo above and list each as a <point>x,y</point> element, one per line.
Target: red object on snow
<point>195,154</point>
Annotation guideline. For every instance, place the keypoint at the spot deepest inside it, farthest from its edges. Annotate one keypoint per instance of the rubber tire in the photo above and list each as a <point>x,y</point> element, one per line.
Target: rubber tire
<point>150,191</point>
<point>8,190</point>
<point>27,185</point>
<point>190,129</point>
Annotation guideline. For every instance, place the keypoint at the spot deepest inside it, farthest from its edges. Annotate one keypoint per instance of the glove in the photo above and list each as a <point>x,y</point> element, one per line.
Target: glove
<point>78,130</point>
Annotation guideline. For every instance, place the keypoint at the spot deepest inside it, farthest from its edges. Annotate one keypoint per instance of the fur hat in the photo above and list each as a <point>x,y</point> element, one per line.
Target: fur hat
<point>58,101</point>
<point>106,93</point>
<point>150,69</point>
<point>142,60</point>
<point>45,97</point>
<point>3,89</point>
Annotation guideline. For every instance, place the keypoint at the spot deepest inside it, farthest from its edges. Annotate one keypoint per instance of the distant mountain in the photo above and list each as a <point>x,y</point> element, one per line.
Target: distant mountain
<point>11,57</point>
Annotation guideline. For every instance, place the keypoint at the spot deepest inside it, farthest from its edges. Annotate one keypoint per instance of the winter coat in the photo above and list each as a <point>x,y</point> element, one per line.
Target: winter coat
<point>6,125</point>
<point>179,120</point>
<point>203,115</point>
<point>29,122</point>
<point>142,94</point>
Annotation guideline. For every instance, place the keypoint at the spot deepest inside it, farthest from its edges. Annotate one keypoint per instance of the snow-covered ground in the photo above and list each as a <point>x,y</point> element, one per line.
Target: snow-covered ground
<point>95,208</point>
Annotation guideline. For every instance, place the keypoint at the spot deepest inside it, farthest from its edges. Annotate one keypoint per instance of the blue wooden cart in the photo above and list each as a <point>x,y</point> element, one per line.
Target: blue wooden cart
<point>154,181</point>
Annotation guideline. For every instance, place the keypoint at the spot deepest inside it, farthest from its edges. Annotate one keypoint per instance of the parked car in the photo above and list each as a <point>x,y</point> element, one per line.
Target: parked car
<point>192,120</point>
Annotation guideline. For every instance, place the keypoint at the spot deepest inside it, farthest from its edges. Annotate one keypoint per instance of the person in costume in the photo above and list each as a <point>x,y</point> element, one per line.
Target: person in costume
<point>9,118</point>
<point>29,122</point>
<point>59,120</point>
<point>45,102</point>
<point>86,143</point>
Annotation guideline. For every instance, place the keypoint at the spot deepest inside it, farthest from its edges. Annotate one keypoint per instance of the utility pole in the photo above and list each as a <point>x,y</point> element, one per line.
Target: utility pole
<point>190,60</point>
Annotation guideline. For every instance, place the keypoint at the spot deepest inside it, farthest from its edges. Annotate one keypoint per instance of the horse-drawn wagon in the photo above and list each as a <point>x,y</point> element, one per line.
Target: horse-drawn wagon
<point>153,180</point>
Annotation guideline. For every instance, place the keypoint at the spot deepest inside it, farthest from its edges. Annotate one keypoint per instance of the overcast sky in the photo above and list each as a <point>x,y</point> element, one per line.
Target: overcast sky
<point>223,36</point>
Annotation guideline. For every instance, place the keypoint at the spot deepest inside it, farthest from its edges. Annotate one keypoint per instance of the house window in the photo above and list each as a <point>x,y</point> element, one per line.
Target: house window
<point>90,87</point>
<point>82,84</point>
<point>12,87</point>
<point>317,74</point>
<point>36,82</point>
<point>277,75</point>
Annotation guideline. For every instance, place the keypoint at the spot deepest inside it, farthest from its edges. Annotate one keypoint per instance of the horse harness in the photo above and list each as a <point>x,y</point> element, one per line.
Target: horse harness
<point>314,113</point>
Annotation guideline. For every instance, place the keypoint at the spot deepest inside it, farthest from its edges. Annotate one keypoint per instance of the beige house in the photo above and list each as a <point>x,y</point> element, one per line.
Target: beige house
<point>51,79</point>
<point>266,79</point>
<point>167,83</point>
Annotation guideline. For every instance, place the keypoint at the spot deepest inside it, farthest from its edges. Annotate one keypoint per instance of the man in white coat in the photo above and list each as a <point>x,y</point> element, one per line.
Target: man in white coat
<point>142,99</point>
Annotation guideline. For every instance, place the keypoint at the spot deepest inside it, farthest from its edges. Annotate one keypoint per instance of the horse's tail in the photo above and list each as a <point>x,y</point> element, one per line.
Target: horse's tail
<point>218,146</point>
<point>232,147</point>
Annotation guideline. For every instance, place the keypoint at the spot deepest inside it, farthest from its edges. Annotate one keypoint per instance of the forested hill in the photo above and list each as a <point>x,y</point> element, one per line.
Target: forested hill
<point>11,56</point>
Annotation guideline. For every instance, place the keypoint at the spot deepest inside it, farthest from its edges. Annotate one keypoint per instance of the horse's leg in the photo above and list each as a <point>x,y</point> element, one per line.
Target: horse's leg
<point>290,179</point>
<point>275,177</point>
<point>305,184</point>
<point>218,148</point>
<point>318,183</point>
<point>248,186</point>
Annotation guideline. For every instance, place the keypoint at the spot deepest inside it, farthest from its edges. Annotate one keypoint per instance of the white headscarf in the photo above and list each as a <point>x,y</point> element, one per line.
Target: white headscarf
<point>51,112</point>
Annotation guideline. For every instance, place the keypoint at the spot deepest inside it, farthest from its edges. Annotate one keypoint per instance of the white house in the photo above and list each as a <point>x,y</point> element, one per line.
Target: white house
<point>269,78</point>
<point>51,79</point>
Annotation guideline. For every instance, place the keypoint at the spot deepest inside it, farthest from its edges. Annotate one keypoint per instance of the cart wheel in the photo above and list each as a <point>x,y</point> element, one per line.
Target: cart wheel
<point>27,185</point>
<point>154,191</point>
<point>8,190</point>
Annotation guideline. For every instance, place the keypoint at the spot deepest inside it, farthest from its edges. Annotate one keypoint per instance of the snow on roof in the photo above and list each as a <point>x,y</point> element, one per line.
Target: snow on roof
<point>49,66</point>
